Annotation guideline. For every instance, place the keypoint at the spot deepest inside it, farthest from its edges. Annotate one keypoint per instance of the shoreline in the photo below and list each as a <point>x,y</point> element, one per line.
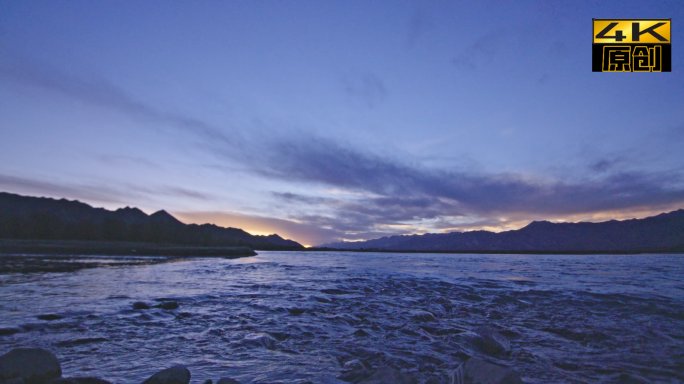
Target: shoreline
<point>676,250</point>
<point>115,248</point>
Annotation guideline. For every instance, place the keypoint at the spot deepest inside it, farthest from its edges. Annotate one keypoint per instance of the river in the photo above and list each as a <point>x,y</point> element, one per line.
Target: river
<point>297,317</point>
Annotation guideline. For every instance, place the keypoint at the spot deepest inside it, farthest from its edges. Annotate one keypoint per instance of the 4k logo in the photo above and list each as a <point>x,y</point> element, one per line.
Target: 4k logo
<point>626,45</point>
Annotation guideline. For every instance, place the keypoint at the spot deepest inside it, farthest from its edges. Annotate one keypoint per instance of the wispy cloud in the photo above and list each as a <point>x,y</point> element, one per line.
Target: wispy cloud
<point>368,88</point>
<point>119,193</point>
<point>327,162</point>
<point>58,190</point>
<point>419,23</point>
<point>481,51</point>
<point>104,94</point>
<point>126,161</point>
<point>406,193</point>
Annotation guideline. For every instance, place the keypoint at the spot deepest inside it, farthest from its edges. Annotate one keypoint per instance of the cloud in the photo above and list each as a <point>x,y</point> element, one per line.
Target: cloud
<point>482,50</point>
<point>126,161</point>
<point>121,193</point>
<point>606,164</point>
<point>410,190</point>
<point>396,197</point>
<point>419,23</point>
<point>104,94</point>
<point>58,190</point>
<point>304,233</point>
<point>367,88</point>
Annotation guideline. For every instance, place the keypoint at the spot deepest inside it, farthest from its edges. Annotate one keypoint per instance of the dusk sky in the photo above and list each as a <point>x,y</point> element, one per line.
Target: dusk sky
<point>330,120</point>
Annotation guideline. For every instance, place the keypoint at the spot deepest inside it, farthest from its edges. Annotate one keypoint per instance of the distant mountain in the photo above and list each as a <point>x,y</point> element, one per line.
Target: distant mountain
<point>23,217</point>
<point>661,232</point>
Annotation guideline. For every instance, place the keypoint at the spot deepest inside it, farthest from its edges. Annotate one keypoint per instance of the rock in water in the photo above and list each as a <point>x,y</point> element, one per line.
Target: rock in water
<point>33,365</point>
<point>168,305</point>
<point>432,380</point>
<point>260,339</point>
<point>491,342</point>
<point>177,374</point>
<point>140,305</point>
<point>9,331</point>
<point>478,371</point>
<point>227,380</point>
<point>354,376</point>
<point>423,316</point>
<point>387,375</point>
<point>79,380</point>
<point>627,378</point>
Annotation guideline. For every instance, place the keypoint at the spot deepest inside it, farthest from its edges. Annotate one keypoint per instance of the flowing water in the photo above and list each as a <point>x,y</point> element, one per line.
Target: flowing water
<point>297,317</point>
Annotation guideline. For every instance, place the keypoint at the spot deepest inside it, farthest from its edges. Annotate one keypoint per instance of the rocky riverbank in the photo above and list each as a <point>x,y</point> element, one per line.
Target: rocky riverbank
<point>30,256</point>
<point>40,366</point>
<point>116,248</point>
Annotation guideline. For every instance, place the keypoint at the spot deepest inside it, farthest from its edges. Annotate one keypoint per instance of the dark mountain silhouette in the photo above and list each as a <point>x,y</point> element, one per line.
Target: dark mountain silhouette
<point>664,232</point>
<point>40,218</point>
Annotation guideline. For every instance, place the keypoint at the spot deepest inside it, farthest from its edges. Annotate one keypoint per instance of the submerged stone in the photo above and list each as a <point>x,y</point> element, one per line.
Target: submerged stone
<point>628,378</point>
<point>490,341</point>
<point>177,374</point>
<point>227,380</point>
<point>168,305</point>
<point>387,375</point>
<point>140,305</point>
<point>9,331</point>
<point>355,375</point>
<point>432,380</point>
<point>261,339</point>
<point>478,371</point>
<point>423,316</point>
<point>79,380</point>
<point>33,365</point>
<point>335,291</point>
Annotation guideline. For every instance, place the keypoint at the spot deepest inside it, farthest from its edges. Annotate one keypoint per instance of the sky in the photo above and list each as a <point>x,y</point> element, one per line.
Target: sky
<point>338,120</point>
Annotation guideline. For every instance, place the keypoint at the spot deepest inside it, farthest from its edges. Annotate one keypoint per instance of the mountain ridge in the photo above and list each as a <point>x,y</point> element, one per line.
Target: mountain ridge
<point>43,218</point>
<point>659,232</point>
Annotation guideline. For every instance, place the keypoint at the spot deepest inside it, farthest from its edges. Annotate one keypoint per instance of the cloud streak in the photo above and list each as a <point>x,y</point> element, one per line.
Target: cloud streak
<point>104,94</point>
<point>368,88</point>
<point>323,161</point>
<point>100,192</point>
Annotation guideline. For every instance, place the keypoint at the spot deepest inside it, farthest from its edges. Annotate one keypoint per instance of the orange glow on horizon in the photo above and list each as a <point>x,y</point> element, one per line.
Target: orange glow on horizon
<point>308,235</point>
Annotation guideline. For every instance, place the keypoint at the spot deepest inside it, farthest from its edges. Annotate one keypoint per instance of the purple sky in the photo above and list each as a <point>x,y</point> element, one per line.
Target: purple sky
<point>327,120</point>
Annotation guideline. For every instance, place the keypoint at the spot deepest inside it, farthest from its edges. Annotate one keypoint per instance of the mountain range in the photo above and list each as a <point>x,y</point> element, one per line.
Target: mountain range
<point>23,217</point>
<point>664,232</point>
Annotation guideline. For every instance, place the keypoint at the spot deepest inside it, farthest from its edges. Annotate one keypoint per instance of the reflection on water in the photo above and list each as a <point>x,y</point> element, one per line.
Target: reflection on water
<point>297,316</point>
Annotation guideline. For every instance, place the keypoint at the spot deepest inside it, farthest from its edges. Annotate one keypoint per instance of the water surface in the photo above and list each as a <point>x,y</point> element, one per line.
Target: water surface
<point>296,317</point>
